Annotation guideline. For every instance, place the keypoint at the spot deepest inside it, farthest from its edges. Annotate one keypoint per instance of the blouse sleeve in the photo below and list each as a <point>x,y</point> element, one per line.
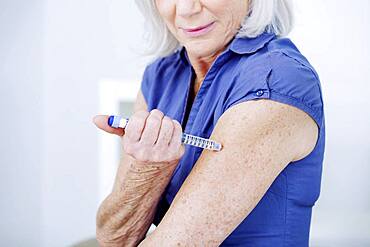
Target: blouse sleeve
<point>284,79</point>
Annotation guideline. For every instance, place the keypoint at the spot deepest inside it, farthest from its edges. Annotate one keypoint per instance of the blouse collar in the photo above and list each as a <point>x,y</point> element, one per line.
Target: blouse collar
<point>240,45</point>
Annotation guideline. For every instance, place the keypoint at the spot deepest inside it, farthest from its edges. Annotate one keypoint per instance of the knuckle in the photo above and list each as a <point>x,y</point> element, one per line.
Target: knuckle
<point>177,125</point>
<point>156,112</point>
<point>166,133</point>
<point>153,121</point>
<point>167,122</point>
<point>176,122</point>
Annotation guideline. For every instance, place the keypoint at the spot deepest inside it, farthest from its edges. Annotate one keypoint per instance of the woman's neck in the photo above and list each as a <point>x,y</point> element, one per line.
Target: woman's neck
<point>201,64</point>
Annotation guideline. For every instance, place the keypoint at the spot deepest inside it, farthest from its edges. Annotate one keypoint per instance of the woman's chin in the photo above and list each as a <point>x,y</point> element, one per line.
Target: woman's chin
<point>201,49</point>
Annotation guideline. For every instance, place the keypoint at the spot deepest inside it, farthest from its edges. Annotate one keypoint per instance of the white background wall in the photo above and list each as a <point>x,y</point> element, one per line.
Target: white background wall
<point>53,55</point>
<point>334,35</point>
<point>21,144</point>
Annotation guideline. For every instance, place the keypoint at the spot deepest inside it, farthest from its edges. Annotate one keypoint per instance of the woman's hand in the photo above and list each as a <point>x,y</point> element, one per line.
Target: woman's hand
<point>152,143</point>
<point>150,137</point>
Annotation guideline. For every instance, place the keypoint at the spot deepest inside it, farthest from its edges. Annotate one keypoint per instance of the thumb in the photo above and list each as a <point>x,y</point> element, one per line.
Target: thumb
<point>101,121</point>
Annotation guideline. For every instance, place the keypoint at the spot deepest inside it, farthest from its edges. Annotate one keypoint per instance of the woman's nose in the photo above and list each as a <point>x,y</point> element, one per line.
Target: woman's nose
<point>186,8</point>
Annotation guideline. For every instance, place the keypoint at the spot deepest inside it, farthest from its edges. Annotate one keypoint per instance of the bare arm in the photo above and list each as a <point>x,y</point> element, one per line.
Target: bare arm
<point>126,214</point>
<point>260,138</point>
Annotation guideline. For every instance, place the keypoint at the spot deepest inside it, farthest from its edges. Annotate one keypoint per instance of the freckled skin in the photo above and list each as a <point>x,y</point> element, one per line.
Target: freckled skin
<point>223,187</point>
<point>125,215</point>
<point>245,166</point>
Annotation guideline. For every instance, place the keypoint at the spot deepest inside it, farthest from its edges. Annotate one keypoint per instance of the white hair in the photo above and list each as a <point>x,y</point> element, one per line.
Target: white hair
<point>274,16</point>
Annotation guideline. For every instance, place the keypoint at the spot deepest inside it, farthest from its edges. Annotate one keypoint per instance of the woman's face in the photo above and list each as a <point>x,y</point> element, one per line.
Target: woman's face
<point>204,27</point>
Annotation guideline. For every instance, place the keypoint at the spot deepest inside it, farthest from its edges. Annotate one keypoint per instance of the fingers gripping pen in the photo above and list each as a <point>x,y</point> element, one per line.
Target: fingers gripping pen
<point>120,122</point>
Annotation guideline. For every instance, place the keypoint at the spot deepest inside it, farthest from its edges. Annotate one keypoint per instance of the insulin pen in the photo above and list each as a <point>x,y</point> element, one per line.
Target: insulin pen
<point>120,122</point>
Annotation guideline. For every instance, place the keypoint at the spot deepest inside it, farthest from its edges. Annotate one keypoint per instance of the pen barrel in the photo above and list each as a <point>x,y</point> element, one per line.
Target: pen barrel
<point>120,122</point>
<point>200,142</point>
<point>117,122</point>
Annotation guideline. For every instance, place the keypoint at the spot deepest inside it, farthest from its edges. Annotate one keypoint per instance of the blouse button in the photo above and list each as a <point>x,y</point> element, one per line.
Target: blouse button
<point>259,93</point>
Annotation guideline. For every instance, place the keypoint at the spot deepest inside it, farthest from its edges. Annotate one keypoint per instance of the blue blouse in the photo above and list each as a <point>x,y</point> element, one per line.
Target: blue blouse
<point>265,67</point>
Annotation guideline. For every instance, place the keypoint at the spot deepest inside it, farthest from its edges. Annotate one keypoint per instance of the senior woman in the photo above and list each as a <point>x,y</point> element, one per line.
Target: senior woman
<point>223,71</point>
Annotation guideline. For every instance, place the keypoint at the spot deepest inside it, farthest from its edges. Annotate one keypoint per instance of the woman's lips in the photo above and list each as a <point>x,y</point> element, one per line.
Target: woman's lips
<point>193,32</point>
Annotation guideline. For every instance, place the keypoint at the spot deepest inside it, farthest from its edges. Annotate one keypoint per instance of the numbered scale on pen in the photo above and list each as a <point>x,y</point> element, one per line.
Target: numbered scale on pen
<point>200,142</point>
<point>120,122</point>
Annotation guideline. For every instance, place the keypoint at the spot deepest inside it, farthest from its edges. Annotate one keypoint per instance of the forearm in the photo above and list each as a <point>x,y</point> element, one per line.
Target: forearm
<point>126,214</point>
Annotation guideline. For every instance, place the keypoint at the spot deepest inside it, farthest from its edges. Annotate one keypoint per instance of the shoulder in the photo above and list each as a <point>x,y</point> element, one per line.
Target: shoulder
<point>278,71</point>
<point>294,80</point>
<point>288,63</point>
<point>279,85</point>
<point>279,55</point>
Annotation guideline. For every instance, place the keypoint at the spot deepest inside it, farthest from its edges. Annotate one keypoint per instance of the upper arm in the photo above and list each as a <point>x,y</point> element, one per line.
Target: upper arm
<point>259,137</point>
